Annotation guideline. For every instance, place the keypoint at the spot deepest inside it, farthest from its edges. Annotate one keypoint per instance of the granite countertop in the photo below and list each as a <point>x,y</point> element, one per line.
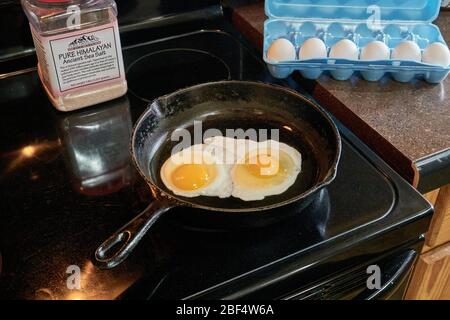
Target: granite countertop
<point>407,124</point>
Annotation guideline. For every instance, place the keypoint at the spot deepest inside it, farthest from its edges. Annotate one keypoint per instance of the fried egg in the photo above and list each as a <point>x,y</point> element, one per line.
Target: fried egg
<point>225,167</point>
<point>197,171</point>
<point>269,169</point>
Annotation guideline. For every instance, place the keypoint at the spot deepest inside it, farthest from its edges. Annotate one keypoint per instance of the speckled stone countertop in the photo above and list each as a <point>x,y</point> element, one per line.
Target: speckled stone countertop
<point>407,124</point>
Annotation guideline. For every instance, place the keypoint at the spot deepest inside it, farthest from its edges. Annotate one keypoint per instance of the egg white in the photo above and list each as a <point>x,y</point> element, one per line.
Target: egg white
<point>221,186</point>
<point>234,148</point>
<point>248,188</point>
<point>225,154</point>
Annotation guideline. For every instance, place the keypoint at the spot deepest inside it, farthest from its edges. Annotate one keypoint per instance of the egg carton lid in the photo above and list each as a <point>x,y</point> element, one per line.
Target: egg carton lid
<point>356,10</point>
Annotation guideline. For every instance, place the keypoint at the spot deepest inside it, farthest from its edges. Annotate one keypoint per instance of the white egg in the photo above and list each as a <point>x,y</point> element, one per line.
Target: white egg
<point>313,48</point>
<point>375,50</point>
<point>264,171</point>
<point>407,50</point>
<point>344,49</point>
<point>197,171</point>
<point>281,50</point>
<point>438,54</point>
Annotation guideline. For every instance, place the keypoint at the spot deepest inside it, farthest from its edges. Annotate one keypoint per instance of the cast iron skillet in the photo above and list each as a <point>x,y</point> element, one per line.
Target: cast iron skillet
<point>226,105</point>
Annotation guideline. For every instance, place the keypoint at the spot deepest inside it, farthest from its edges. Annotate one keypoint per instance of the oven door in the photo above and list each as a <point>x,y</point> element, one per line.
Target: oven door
<point>395,278</point>
<point>394,273</point>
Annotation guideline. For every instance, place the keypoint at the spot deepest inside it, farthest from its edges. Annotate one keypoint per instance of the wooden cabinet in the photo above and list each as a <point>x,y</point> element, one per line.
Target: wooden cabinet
<point>439,232</point>
<point>431,277</point>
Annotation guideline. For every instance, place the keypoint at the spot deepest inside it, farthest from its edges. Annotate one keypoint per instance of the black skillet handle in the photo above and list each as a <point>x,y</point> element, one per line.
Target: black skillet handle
<point>116,248</point>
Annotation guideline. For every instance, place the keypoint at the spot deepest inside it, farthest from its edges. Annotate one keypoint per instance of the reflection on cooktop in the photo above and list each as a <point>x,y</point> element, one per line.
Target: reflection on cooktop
<point>95,144</point>
<point>165,71</point>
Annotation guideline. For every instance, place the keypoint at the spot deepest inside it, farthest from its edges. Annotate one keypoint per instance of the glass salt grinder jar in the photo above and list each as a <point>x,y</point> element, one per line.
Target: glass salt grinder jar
<point>78,48</point>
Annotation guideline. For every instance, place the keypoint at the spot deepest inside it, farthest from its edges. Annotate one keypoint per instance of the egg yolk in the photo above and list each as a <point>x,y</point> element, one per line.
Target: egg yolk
<point>191,177</point>
<point>263,166</point>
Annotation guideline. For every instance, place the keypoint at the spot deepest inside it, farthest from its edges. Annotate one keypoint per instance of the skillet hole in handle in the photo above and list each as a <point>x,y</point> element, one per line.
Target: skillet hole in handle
<point>112,246</point>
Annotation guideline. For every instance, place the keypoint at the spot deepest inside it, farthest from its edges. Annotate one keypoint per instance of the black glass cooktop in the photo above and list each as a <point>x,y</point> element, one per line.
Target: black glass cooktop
<point>67,183</point>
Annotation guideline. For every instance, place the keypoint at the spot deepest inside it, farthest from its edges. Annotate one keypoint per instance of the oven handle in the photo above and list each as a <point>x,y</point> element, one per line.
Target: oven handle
<point>398,268</point>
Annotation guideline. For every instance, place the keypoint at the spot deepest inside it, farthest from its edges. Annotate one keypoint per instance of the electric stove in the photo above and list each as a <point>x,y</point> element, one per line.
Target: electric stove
<point>67,183</point>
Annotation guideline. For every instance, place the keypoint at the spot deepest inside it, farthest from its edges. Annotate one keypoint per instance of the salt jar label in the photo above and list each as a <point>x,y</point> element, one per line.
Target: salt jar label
<point>81,59</point>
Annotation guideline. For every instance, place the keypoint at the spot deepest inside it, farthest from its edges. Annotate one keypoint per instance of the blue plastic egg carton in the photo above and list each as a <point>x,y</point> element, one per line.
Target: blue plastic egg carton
<point>361,21</point>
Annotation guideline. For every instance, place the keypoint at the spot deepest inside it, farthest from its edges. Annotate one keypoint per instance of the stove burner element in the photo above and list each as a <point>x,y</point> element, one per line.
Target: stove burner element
<point>165,71</point>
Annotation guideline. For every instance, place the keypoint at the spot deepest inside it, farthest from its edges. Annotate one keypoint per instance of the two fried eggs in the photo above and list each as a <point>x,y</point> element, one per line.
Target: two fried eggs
<point>224,167</point>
